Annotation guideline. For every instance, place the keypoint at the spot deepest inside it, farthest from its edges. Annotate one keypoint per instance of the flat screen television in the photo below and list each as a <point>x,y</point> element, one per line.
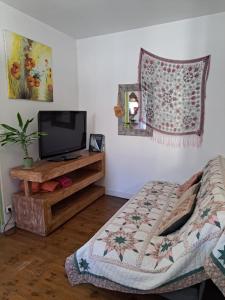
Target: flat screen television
<point>66,133</point>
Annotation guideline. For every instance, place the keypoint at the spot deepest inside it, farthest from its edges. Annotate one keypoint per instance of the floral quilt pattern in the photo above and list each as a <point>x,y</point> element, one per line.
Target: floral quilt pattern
<point>126,234</point>
<point>127,253</point>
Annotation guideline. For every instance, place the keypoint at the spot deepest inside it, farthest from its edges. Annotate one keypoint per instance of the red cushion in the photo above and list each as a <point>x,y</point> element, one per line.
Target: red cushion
<point>64,181</point>
<point>49,186</point>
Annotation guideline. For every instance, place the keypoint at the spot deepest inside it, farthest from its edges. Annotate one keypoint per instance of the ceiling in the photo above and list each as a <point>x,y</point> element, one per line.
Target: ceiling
<point>85,18</point>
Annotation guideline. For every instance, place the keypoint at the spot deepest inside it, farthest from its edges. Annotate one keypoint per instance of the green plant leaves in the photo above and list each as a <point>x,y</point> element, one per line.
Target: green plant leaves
<point>42,133</point>
<point>26,124</point>
<point>13,135</point>
<point>20,121</point>
<point>5,126</point>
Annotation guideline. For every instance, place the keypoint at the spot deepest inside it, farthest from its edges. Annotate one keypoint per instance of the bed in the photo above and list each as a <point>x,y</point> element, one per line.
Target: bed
<point>128,255</point>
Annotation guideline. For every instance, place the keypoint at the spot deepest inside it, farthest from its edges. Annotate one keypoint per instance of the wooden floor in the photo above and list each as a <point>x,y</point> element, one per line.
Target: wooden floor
<point>32,267</point>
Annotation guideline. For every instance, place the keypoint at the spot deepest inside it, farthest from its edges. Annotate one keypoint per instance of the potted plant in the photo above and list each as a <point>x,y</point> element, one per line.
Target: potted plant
<point>12,135</point>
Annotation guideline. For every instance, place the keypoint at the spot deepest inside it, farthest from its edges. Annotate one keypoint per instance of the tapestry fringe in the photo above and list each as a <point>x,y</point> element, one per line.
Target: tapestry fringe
<point>177,140</point>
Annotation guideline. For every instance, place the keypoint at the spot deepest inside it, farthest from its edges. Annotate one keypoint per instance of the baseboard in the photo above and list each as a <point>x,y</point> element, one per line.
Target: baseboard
<point>1,228</point>
<point>118,194</point>
<point>9,226</point>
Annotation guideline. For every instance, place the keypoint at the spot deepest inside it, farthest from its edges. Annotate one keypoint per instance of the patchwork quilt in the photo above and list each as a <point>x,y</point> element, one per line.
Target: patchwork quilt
<point>128,255</point>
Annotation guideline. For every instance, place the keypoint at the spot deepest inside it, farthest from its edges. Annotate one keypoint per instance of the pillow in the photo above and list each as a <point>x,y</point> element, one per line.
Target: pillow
<point>181,212</point>
<point>191,191</point>
<point>49,186</point>
<point>187,184</point>
<point>64,181</point>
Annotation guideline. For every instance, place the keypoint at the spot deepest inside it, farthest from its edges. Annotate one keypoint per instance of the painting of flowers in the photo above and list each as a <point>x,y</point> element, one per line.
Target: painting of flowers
<point>29,68</point>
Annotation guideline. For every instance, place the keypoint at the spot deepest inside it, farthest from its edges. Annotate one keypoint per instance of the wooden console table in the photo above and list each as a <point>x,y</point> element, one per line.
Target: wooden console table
<point>43,212</point>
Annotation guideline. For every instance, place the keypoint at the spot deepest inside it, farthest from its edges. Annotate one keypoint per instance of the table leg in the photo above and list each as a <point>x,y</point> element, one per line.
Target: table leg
<point>27,188</point>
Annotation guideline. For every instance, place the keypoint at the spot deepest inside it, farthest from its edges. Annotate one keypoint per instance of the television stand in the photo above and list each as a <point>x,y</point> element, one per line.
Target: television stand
<point>43,212</point>
<point>64,158</point>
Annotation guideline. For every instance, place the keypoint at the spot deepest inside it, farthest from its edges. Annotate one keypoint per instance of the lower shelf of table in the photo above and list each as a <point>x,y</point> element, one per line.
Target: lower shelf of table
<point>41,218</point>
<point>66,209</point>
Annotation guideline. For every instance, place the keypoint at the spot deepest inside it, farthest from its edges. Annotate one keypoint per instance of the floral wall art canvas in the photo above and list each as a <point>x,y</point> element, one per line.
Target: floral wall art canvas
<point>29,68</point>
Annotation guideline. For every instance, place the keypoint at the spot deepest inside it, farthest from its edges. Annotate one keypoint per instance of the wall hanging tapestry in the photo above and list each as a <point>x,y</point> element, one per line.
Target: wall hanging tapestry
<point>29,68</point>
<point>172,98</point>
<point>128,111</point>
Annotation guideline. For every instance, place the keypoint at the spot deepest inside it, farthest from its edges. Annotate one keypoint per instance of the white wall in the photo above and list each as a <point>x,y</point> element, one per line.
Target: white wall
<point>65,84</point>
<point>106,61</point>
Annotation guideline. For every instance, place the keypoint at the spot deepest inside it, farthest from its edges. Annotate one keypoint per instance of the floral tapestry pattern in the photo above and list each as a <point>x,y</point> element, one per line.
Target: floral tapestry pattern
<point>173,94</point>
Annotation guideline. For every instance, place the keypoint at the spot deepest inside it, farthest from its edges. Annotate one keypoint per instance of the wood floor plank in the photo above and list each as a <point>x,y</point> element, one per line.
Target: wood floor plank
<point>32,267</point>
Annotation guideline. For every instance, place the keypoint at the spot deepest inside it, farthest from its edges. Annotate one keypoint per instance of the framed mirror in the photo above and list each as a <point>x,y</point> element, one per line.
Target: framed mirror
<point>129,100</point>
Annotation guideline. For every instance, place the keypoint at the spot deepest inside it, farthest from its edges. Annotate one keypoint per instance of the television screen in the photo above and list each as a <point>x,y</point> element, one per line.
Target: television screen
<point>66,132</point>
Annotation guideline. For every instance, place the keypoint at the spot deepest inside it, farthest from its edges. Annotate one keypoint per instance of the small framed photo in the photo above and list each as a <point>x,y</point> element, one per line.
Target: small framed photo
<point>97,143</point>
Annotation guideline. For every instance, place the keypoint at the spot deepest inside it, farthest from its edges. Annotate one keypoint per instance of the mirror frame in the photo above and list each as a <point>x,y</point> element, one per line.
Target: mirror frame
<point>125,127</point>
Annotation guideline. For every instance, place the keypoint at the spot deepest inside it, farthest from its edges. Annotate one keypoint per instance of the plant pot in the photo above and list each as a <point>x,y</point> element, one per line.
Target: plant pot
<point>28,162</point>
